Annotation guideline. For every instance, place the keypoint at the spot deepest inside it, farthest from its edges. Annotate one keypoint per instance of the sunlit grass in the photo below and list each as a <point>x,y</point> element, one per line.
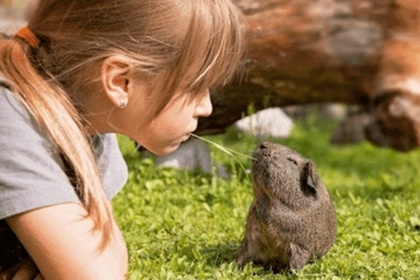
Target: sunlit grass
<point>188,225</point>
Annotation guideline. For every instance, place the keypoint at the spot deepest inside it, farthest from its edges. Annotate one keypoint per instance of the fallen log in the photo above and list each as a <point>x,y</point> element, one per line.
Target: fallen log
<point>347,51</point>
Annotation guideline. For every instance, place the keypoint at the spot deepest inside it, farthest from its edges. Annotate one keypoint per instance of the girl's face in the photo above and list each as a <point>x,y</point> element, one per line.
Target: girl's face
<point>172,126</point>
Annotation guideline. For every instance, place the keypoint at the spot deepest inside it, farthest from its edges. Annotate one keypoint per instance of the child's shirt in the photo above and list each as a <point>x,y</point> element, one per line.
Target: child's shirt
<point>32,173</point>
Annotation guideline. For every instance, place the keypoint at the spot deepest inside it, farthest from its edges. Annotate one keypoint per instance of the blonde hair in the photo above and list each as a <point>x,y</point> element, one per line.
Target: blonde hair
<point>189,44</point>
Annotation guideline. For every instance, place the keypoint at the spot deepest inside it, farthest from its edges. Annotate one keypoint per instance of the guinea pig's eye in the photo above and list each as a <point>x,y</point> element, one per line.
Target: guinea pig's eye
<point>292,160</point>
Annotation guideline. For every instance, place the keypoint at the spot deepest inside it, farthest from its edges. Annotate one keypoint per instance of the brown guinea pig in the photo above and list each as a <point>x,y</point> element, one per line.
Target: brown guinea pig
<point>292,218</point>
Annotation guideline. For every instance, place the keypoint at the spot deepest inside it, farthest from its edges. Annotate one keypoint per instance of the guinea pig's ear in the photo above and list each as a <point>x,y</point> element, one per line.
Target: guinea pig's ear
<point>310,179</point>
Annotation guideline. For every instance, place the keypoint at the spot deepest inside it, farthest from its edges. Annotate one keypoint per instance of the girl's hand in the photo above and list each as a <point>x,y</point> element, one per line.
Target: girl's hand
<point>25,270</point>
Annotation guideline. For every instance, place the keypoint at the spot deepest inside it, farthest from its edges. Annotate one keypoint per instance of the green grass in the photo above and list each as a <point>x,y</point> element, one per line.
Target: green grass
<point>188,225</point>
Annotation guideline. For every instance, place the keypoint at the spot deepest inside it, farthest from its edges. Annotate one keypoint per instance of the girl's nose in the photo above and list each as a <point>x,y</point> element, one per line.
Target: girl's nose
<point>204,106</point>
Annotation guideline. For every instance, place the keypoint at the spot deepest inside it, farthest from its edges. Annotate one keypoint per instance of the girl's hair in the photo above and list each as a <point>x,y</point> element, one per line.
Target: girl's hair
<point>180,44</point>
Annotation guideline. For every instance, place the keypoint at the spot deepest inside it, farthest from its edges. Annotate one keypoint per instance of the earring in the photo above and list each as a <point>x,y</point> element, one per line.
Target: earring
<point>123,104</point>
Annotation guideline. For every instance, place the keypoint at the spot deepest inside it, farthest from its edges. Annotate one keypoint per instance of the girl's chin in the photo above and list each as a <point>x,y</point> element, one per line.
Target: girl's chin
<point>166,150</point>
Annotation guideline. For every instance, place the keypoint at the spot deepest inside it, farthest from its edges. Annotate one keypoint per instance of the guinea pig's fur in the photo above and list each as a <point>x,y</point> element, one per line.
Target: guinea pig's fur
<point>292,218</point>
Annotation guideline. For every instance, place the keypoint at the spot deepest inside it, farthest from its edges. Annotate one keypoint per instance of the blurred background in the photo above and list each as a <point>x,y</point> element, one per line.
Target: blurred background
<point>354,61</point>
<point>13,14</point>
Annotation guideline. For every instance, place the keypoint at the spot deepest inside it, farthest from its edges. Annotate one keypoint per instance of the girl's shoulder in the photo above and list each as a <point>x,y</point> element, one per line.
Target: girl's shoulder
<point>32,173</point>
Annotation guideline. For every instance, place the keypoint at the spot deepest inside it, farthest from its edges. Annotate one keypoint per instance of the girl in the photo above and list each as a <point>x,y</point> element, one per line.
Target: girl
<point>78,73</point>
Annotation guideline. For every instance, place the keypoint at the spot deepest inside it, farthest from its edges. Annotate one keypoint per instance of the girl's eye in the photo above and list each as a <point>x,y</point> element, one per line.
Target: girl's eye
<point>292,160</point>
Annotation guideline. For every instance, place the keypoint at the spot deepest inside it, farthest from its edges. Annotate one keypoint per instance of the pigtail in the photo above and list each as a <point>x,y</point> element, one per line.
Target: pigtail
<point>50,106</point>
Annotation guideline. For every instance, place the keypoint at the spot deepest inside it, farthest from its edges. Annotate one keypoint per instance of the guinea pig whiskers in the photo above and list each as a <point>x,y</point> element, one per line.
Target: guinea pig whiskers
<point>226,150</point>
<point>222,148</point>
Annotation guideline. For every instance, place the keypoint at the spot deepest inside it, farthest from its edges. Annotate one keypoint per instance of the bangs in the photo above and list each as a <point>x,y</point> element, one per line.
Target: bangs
<point>214,51</point>
<point>210,48</point>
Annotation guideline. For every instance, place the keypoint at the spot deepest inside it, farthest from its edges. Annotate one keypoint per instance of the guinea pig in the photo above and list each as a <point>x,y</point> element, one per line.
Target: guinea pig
<point>292,218</point>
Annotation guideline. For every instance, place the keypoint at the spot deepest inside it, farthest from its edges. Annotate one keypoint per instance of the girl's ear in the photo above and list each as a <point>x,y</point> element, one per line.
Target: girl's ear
<point>116,75</point>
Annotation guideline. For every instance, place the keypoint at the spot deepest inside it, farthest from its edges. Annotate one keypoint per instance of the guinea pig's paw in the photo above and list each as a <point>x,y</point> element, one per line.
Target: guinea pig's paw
<point>242,256</point>
<point>242,259</point>
<point>299,256</point>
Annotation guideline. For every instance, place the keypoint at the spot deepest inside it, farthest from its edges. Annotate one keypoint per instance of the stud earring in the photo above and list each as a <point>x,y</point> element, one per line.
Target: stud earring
<point>123,104</point>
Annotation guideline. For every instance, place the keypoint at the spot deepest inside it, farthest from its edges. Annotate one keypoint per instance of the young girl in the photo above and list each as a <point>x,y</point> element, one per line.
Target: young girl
<point>79,72</point>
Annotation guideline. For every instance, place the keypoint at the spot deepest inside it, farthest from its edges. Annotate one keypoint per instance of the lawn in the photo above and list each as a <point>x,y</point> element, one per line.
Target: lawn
<point>188,225</point>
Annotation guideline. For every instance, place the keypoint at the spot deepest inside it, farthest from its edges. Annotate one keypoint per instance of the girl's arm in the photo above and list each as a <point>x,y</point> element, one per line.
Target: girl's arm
<point>60,240</point>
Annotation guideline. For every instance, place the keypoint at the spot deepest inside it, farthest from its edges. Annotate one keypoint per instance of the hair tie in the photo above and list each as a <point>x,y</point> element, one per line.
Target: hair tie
<point>28,37</point>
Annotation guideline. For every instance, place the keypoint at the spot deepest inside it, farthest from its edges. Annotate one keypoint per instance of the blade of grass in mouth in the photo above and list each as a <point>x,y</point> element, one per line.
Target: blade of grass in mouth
<point>226,150</point>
